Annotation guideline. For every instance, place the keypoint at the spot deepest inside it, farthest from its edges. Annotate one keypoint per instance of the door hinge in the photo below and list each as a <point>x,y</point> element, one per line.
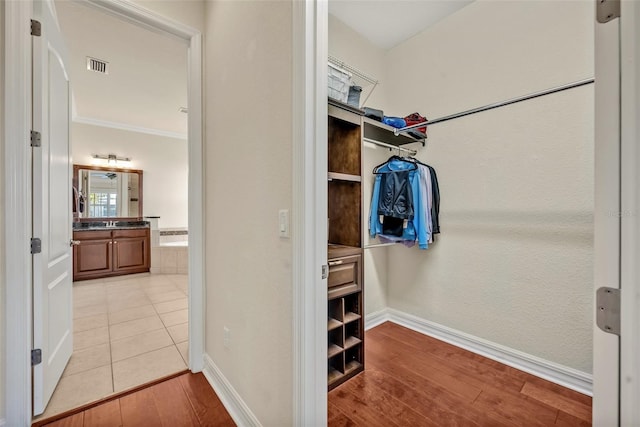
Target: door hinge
<point>325,271</point>
<point>607,10</point>
<point>36,28</point>
<point>608,310</point>
<point>36,357</point>
<point>36,245</point>
<point>36,139</point>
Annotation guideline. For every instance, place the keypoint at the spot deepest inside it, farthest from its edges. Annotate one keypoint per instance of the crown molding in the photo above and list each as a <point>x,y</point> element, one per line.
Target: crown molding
<point>128,127</point>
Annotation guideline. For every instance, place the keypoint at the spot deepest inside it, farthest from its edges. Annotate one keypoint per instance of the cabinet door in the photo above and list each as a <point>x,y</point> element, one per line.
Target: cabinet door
<point>131,254</point>
<point>92,258</point>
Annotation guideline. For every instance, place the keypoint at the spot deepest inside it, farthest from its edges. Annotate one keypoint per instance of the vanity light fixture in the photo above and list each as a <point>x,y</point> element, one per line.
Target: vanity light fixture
<point>111,160</point>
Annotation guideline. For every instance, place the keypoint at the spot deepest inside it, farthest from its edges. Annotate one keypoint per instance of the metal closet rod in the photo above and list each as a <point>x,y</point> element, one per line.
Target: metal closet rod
<point>391,146</point>
<point>496,105</point>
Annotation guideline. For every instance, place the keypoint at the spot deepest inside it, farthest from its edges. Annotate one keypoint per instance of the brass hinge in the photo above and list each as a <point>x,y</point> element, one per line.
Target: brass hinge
<point>607,10</point>
<point>36,28</point>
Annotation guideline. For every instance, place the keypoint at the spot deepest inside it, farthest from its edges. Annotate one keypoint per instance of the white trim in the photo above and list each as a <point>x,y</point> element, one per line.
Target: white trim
<point>630,218</point>
<point>138,15</point>
<point>606,218</point>
<point>550,371</point>
<point>376,318</point>
<point>309,231</point>
<point>17,212</point>
<point>128,127</point>
<point>230,398</point>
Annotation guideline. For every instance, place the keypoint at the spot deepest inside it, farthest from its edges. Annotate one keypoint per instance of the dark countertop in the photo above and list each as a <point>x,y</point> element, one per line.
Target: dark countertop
<point>102,225</point>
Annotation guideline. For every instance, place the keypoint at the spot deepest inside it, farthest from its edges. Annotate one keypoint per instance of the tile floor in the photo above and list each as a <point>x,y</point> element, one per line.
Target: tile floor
<point>128,330</point>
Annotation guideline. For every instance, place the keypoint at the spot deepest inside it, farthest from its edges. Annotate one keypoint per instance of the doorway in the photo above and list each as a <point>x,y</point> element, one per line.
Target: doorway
<point>18,218</point>
<point>129,150</point>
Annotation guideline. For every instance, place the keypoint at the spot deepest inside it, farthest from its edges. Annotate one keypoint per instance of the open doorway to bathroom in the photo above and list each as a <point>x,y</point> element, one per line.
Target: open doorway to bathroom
<point>129,89</point>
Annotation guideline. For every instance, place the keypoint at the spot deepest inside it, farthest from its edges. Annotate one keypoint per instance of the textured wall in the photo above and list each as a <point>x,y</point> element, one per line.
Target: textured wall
<point>514,262</point>
<point>347,45</point>
<point>163,162</point>
<point>248,178</point>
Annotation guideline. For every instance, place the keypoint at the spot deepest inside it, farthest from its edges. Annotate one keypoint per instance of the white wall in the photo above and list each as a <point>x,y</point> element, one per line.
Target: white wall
<point>163,161</point>
<point>349,46</point>
<point>514,262</point>
<point>2,242</point>
<point>248,178</point>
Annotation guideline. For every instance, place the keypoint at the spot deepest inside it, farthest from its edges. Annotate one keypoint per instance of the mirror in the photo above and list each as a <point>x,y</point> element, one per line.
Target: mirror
<point>106,192</point>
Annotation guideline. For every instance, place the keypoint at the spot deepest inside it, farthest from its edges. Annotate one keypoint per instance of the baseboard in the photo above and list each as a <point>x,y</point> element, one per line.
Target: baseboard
<point>550,371</point>
<point>376,318</point>
<point>229,397</point>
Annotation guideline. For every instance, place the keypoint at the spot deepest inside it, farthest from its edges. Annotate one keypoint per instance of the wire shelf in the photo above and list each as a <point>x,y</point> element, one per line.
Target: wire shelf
<point>358,77</point>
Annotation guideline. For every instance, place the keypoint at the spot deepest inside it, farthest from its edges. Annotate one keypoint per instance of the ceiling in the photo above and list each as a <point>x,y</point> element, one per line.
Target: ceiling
<point>147,80</point>
<point>387,23</point>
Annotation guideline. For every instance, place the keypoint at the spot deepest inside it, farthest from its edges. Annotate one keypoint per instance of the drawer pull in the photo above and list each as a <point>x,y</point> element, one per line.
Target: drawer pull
<point>338,262</point>
<point>74,242</point>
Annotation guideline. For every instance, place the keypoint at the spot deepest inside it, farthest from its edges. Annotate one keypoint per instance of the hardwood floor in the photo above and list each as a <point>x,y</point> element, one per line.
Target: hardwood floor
<point>410,380</point>
<point>414,380</point>
<point>187,400</point>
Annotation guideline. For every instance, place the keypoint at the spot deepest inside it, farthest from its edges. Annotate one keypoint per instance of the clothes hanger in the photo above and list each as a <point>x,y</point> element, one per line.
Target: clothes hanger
<point>394,157</point>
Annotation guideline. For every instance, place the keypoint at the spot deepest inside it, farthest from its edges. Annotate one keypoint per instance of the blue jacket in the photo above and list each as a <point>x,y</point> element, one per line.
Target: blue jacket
<point>416,227</point>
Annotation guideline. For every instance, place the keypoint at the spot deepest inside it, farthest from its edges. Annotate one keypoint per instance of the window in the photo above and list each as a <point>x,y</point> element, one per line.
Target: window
<point>103,204</point>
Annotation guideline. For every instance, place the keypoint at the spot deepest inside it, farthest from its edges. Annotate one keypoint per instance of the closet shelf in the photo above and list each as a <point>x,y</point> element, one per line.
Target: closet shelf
<point>350,317</point>
<point>357,77</point>
<point>352,366</point>
<point>377,131</point>
<point>333,324</point>
<point>334,350</point>
<point>351,341</point>
<point>344,177</point>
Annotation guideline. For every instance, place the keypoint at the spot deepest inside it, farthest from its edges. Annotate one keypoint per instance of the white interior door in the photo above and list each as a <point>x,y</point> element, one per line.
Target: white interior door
<point>52,268</point>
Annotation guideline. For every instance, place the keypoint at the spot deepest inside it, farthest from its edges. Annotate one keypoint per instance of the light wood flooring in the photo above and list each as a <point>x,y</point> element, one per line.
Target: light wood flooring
<point>184,401</point>
<point>414,380</point>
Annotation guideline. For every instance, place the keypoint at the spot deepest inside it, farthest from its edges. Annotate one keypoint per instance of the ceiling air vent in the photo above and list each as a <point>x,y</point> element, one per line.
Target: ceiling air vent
<point>97,65</point>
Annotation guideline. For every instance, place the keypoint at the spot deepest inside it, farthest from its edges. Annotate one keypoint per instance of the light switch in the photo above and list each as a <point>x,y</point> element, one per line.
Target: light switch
<point>283,223</point>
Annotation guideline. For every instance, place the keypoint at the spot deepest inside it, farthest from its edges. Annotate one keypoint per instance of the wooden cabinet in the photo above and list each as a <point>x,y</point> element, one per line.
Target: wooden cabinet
<point>345,323</point>
<point>345,326</point>
<point>102,253</point>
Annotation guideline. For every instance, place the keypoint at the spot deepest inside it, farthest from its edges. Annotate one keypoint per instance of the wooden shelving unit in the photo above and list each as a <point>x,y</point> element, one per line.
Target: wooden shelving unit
<point>345,323</point>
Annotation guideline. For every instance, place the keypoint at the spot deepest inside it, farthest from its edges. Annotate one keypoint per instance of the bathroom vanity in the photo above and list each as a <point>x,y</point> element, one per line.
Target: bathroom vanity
<point>109,236</point>
<point>101,251</point>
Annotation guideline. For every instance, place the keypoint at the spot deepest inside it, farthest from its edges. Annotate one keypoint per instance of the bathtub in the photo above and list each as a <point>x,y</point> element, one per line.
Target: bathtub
<point>170,258</point>
<point>180,243</point>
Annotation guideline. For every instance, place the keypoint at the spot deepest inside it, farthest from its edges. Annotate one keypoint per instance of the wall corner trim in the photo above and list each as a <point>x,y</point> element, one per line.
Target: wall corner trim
<point>228,395</point>
<point>376,318</point>
<point>550,371</point>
